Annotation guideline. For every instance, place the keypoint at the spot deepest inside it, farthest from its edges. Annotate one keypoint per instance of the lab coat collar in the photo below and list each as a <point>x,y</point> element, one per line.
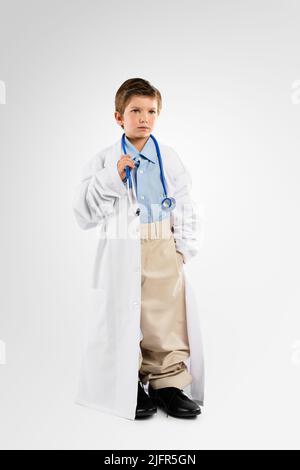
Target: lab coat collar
<point>148,151</point>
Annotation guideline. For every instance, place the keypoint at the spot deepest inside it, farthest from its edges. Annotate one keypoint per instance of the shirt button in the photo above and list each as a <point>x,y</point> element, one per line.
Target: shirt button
<point>135,303</point>
<point>142,197</point>
<point>141,171</point>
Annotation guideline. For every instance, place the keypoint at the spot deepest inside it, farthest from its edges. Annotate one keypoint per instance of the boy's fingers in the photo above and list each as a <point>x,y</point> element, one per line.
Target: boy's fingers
<point>127,162</point>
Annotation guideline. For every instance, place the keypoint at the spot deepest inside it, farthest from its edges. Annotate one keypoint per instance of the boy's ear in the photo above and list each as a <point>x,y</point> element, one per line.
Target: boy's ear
<point>118,117</point>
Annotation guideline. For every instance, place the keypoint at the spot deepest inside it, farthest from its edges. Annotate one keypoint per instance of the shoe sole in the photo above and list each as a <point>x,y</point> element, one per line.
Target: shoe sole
<point>188,416</point>
<point>145,414</point>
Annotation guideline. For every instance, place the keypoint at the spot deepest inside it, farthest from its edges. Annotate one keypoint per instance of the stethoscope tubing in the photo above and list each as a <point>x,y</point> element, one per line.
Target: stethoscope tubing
<point>168,203</point>
<point>162,175</point>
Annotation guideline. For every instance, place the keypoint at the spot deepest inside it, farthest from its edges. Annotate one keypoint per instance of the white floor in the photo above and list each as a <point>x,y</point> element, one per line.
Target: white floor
<point>245,411</point>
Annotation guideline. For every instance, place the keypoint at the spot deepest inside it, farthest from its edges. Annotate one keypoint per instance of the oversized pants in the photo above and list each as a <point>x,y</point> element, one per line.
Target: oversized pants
<point>164,345</point>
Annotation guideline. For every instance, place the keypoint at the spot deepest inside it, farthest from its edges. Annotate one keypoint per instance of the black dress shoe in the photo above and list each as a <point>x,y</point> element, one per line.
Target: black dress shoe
<point>174,402</point>
<point>145,406</point>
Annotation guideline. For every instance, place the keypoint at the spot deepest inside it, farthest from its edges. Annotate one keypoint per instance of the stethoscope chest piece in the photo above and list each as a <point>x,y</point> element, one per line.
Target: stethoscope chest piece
<point>168,204</point>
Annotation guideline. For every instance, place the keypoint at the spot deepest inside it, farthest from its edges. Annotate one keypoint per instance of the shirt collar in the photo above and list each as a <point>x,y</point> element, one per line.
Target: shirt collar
<point>148,151</point>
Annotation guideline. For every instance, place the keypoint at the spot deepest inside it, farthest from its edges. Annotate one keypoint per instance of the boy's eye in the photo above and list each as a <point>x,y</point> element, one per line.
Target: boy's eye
<point>150,111</point>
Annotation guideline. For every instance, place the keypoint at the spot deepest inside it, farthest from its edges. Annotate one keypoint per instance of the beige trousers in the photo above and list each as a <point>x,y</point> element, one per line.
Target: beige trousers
<point>164,346</point>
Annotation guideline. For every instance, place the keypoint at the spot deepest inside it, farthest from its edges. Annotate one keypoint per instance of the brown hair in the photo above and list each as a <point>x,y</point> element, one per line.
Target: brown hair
<point>133,87</point>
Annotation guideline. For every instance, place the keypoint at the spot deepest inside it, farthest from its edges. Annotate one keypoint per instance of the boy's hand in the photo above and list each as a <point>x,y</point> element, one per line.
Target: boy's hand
<point>124,161</point>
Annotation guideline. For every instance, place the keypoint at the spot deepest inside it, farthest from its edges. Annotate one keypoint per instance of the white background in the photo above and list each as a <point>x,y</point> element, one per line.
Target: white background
<point>228,72</point>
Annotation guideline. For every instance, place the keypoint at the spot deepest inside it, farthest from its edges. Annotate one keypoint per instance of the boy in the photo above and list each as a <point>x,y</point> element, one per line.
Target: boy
<point>158,282</point>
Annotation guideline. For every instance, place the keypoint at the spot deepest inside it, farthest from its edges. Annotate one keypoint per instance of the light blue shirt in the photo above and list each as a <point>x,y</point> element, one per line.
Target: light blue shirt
<point>147,181</point>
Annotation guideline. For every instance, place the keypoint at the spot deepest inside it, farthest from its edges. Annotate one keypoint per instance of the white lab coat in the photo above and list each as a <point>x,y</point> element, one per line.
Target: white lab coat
<point>109,368</point>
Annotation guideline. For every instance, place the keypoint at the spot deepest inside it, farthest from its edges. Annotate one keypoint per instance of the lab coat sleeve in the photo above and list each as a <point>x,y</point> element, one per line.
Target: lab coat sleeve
<point>185,215</point>
<point>97,192</point>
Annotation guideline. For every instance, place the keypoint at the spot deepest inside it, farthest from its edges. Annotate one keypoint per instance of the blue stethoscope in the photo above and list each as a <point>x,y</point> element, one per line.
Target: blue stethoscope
<point>168,203</point>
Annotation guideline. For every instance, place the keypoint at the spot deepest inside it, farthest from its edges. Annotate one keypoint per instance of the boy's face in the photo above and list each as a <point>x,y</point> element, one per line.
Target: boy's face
<point>141,111</point>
